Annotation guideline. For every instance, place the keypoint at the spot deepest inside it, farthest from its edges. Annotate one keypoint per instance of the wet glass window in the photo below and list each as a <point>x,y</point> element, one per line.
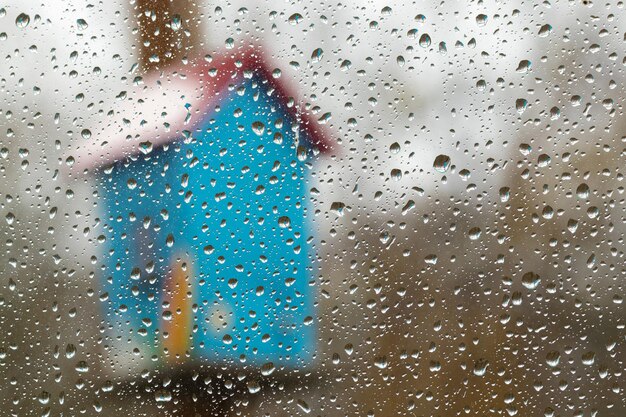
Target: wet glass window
<point>261,208</point>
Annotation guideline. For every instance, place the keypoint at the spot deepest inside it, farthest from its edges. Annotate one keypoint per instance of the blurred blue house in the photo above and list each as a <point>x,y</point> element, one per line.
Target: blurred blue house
<point>204,201</point>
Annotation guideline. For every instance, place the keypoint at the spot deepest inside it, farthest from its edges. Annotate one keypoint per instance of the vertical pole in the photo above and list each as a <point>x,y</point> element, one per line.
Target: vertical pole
<point>168,31</point>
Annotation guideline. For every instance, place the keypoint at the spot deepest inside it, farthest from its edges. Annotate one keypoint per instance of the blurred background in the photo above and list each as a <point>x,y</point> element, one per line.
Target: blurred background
<point>470,220</point>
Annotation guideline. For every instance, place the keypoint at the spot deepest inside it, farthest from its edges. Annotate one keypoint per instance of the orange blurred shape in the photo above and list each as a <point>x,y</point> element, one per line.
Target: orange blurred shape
<point>177,326</point>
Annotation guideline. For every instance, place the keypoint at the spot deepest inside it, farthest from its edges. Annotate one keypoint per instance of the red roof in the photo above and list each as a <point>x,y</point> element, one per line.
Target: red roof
<point>178,100</point>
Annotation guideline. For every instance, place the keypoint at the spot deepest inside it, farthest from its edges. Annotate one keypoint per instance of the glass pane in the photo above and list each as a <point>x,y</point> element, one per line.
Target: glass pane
<point>260,208</point>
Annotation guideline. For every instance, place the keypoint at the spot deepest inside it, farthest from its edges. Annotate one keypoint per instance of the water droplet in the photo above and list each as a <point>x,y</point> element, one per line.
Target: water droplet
<point>303,406</point>
<point>425,40</point>
<point>258,128</point>
<point>70,351</point>
<point>338,208</point>
<point>431,259</point>
<point>85,133</point>
<point>474,233</point>
<point>253,386</point>
<point>44,397</point>
<point>22,20</point>
<point>284,222</point>
<point>531,280</point>
<point>505,194</point>
<point>442,163</point>
<point>145,147</point>
<point>324,118</point>
<point>520,105</point>
<point>81,24</point>
<point>163,395</point>
<point>545,30</point>
<point>295,18</point>
<point>317,54</point>
<point>555,113</point>
<point>588,358</point>
<point>381,362</point>
<point>480,367</point>
<point>553,358</point>
<point>523,66</point>
<point>543,160</point>
<point>176,23</point>
<point>267,369</point>
<point>572,225</point>
<point>481,20</point>
<point>582,191</point>
<point>82,367</point>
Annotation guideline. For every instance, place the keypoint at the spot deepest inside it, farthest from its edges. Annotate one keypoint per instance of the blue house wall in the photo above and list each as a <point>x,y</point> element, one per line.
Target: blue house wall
<point>228,206</point>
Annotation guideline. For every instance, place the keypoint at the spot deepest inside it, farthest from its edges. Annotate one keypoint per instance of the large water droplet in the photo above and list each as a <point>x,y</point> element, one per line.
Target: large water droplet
<point>258,128</point>
<point>22,20</point>
<point>553,358</point>
<point>295,18</point>
<point>442,163</point>
<point>582,191</point>
<point>81,24</point>
<point>317,54</point>
<point>531,280</point>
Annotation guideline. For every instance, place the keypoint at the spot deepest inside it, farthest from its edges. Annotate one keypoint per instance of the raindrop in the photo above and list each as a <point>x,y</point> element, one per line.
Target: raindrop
<point>425,40</point>
<point>163,395</point>
<point>553,358</point>
<point>295,18</point>
<point>22,20</point>
<point>531,280</point>
<point>258,128</point>
<point>253,386</point>
<point>520,105</point>
<point>545,30</point>
<point>284,222</point>
<point>582,191</point>
<point>317,54</point>
<point>588,358</point>
<point>85,133</point>
<point>381,362</point>
<point>303,406</point>
<point>81,24</point>
<point>176,23</point>
<point>505,194</point>
<point>543,160</point>
<point>338,208</point>
<point>442,163</point>
<point>480,367</point>
<point>523,66</point>
<point>267,369</point>
<point>474,233</point>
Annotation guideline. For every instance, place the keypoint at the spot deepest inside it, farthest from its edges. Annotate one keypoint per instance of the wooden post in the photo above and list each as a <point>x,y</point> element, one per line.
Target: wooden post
<point>168,31</point>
